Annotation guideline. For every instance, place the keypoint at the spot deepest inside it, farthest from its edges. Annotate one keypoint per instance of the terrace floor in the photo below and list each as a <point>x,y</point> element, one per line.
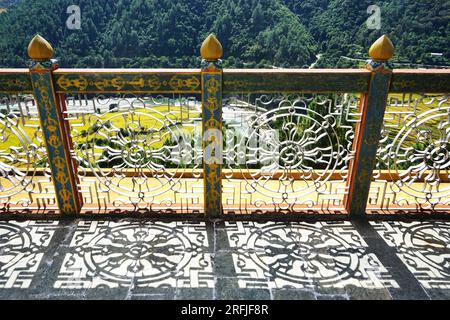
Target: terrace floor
<point>149,259</point>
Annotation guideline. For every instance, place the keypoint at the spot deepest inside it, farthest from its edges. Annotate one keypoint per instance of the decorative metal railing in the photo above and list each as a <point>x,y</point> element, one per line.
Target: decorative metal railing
<point>25,179</point>
<point>136,151</point>
<point>227,142</point>
<point>288,152</point>
<point>413,159</point>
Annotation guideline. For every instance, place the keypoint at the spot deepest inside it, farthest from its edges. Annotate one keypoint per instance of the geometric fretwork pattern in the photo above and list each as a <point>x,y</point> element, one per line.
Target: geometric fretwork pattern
<point>137,152</point>
<point>304,255</point>
<point>25,179</point>
<point>423,247</point>
<point>148,254</point>
<point>288,152</point>
<point>22,246</point>
<point>413,167</point>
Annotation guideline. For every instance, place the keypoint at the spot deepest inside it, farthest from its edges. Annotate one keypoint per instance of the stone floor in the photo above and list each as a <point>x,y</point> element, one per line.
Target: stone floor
<point>148,259</point>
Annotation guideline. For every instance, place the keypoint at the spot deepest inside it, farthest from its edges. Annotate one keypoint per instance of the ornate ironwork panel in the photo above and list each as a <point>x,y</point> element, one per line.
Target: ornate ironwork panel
<point>25,177</point>
<point>138,152</point>
<point>413,167</point>
<point>288,152</point>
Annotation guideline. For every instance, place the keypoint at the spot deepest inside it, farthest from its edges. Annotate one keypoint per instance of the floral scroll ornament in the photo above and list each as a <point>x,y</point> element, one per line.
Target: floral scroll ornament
<point>178,84</point>
<point>304,140</point>
<point>79,83</point>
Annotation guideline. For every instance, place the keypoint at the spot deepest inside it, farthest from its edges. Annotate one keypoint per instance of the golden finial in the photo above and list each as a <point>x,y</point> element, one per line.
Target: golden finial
<point>211,48</point>
<point>40,49</point>
<point>382,49</point>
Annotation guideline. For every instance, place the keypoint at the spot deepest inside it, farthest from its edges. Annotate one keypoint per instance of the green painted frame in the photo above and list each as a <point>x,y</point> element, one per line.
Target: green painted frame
<point>373,107</point>
<point>234,80</point>
<point>212,149</point>
<point>56,138</point>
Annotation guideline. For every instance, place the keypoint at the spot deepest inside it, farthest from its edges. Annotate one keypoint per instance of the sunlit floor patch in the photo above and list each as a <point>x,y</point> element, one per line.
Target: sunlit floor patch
<point>22,246</point>
<point>224,260</point>
<point>142,254</point>
<point>424,247</point>
<point>304,255</point>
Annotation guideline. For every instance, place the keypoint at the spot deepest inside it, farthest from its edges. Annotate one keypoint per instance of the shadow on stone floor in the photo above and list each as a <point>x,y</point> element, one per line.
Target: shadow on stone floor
<point>142,259</point>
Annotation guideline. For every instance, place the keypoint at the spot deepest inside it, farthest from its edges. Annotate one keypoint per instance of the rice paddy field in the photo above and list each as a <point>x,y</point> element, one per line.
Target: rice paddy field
<point>402,108</point>
<point>146,128</point>
<point>150,126</point>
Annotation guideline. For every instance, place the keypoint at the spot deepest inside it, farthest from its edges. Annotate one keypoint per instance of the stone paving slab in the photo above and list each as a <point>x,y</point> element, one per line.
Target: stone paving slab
<point>226,260</point>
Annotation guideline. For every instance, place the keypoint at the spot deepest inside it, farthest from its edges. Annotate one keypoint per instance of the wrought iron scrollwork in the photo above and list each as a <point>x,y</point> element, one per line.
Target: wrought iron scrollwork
<point>138,151</point>
<point>25,179</point>
<point>288,148</point>
<point>413,169</point>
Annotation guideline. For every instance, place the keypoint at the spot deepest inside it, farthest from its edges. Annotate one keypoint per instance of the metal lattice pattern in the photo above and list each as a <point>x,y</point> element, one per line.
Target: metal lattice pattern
<point>413,168</point>
<point>138,152</point>
<point>25,178</point>
<point>288,153</point>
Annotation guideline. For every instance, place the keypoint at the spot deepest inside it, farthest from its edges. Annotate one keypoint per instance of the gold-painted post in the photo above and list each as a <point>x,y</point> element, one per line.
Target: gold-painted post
<point>373,104</point>
<point>212,74</point>
<point>54,127</point>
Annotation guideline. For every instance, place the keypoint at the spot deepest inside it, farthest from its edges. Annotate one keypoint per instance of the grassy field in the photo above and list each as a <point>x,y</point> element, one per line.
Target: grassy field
<point>147,128</point>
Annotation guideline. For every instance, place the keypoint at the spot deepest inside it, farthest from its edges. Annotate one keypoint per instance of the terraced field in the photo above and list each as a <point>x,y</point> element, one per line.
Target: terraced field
<point>150,126</point>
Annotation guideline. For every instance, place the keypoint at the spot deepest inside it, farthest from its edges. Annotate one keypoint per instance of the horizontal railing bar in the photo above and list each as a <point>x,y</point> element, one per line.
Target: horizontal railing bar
<point>295,80</point>
<point>15,81</point>
<point>420,81</point>
<point>125,71</point>
<point>230,210</point>
<point>127,81</point>
<point>408,212</point>
<point>412,206</point>
<point>235,80</point>
<point>14,70</point>
<point>296,208</point>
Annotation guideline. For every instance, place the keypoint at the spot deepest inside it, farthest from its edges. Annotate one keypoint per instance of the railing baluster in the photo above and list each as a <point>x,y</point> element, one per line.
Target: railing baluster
<point>211,52</point>
<point>373,107</point>
<point>55,132</point>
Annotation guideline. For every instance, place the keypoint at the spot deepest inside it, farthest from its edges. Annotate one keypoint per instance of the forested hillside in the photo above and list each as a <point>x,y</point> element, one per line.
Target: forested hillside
<point>254,33</point>
<point>417,28</point>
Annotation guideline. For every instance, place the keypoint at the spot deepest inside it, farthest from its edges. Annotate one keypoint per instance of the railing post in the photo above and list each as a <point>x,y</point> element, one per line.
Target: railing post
<point>211,52</point>
<point>368,136</point>
<point>54,128</point>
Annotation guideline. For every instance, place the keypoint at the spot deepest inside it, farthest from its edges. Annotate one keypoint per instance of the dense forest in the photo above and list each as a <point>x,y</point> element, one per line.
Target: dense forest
<point>254,33</point>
